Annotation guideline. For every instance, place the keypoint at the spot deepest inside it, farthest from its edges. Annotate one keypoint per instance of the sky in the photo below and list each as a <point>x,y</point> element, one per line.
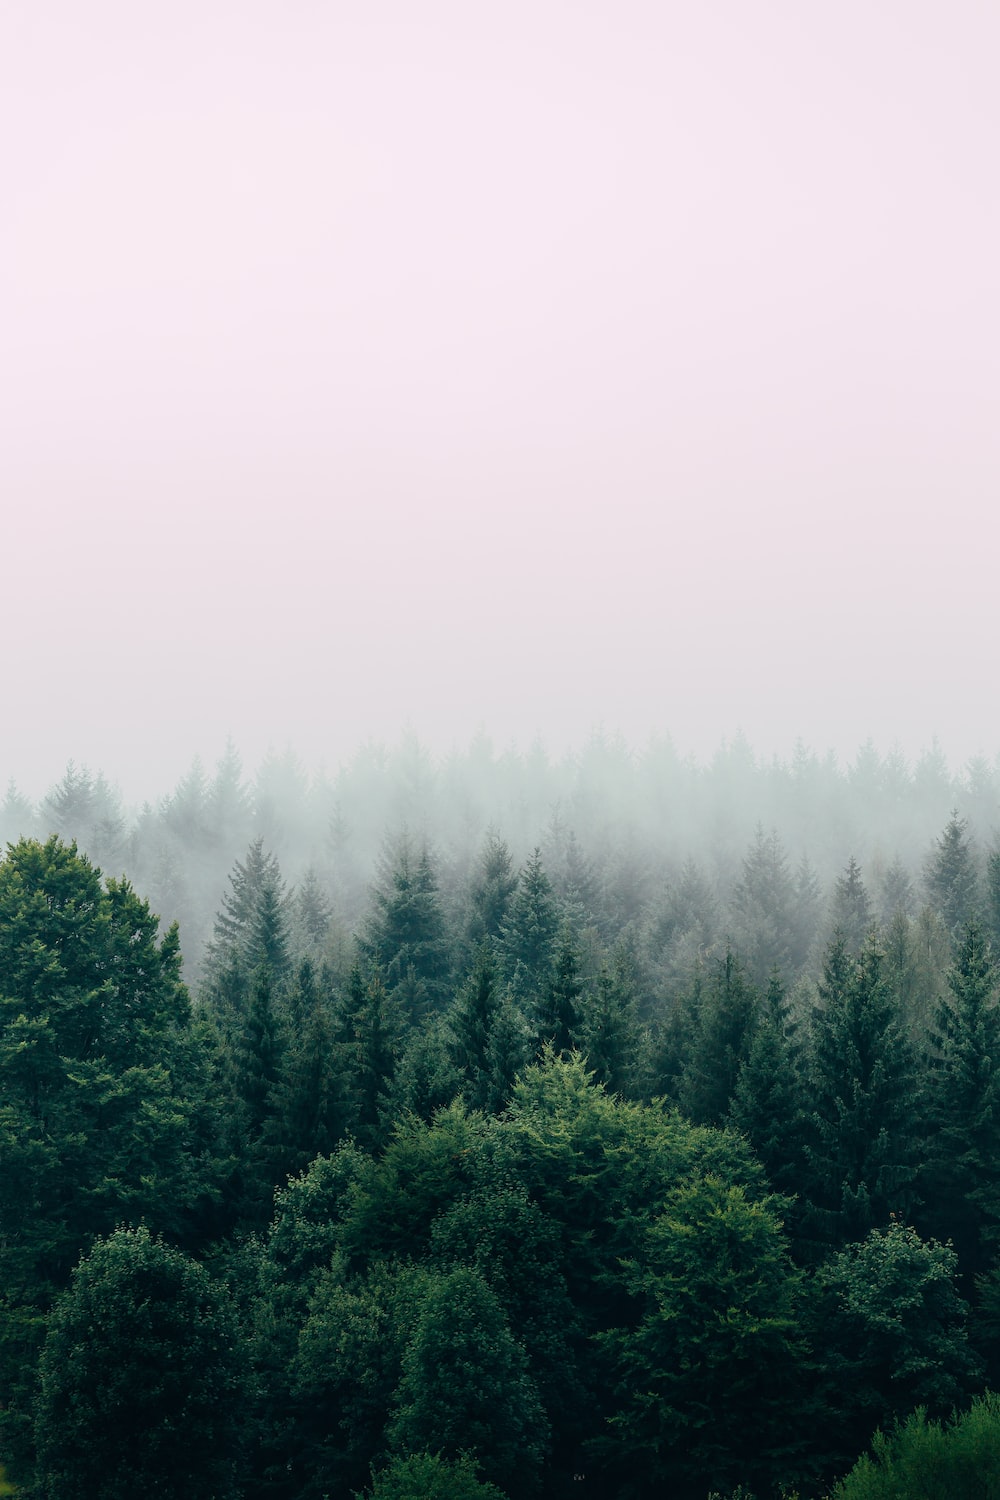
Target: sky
<point>519,368</point>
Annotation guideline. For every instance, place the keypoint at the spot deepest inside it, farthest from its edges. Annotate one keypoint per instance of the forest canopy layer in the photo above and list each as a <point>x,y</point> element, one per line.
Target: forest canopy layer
<point>496,1127</point>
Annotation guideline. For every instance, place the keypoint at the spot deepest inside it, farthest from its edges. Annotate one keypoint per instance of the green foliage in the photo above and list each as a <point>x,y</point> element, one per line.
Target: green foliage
<point>723,1034</point>
<point>954,1460</point>
<point>960,1177</point>
<point>952,877</point>
<point>528,934</point>
<point>405,932</point>
<point>428,1476</point>
<point>706,1376</point>
<point>864,1126</point>
<point>892,1330</point>
<point>466,1385</point>
<point>142,1380</point>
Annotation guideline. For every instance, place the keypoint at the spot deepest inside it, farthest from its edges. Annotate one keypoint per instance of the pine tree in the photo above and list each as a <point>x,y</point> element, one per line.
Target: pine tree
<point>863,1127</point>
<point>529,933</point>
<point>720,1044</point>
<point>764,908</point>
<point>852,908</point>
<point>493,887</point>
<point>960,1180</point>
<point>558,1012</point>
<point>609,1032</point>
<point>405,933</point>
<point>768,1105</point>
<point>952,878</point>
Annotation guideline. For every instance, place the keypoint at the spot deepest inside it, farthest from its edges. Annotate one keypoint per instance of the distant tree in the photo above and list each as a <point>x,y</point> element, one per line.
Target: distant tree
<point>313,913</point>
<point>492,889</point>
<point>852,907</point>
<point>251,927</point>
<point>405,932</point>
<point>720,1044</point>
<point>764,908</point>
<point>952,878</point>
<point>896,893</point>
<point>529,933</point>
<point>143,1380</point>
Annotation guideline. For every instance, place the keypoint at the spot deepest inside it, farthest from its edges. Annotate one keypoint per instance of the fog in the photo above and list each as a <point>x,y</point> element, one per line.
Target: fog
<point>522,369</point>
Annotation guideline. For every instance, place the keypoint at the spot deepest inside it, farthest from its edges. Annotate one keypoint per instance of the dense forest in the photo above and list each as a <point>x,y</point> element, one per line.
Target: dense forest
<point>498,1126</point>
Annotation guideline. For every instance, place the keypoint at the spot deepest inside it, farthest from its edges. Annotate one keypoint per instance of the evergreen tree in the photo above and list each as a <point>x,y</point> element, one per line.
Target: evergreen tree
<point>768,1104</point>
<point>609,1032</point>
<point>764,912</point>
<point>492,890</point>
<point>528,936</point>
<point>952,878</point>
<point>863,1127</point>
<point>405,932</point>
<point>720,1044</point>
<point>472,1021</point>
<point>252,926</point>
<point>313,913</point>
<point>960,1179</point>
<point>852,908</point>
<point>558,1013</point>
<point>375,1046</point>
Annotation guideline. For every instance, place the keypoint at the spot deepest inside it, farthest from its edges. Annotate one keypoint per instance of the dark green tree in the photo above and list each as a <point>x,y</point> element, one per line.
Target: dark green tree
<point>955,1460</point>
<point>959,1180</point>
<point>720,1044</point>
<point>769,1101</point>
<point>952,876</point>
<point>405,933</point>
<point>143,1379</point>
<point>529,933</point>
<point>492,890</point>
<point>893,1334</point>
<point>466,1385</point>
<point>863,1129</point>
<point>558,1007</point>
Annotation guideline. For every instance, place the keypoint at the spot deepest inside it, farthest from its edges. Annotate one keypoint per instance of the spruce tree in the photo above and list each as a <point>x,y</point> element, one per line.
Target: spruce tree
<point>720,1044</point>
<point>863,1130</point>
<point>952,877</point>
<point>960,1178</point>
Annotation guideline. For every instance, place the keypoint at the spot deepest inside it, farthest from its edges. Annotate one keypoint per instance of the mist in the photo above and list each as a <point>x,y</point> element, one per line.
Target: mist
<point>522,373</point>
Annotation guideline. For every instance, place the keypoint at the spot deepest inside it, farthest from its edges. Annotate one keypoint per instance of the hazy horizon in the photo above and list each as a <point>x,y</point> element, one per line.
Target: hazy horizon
<point>373,369</point>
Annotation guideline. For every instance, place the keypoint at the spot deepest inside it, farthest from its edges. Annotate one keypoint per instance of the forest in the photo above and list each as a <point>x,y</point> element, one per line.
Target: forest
<point>496,1126</point>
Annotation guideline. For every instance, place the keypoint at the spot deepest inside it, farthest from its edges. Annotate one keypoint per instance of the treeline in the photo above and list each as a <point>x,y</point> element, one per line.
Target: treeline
<point>529,1178</point>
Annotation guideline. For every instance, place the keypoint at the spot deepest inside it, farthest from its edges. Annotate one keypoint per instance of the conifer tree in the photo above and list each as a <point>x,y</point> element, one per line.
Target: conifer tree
<point>852,908</point>
<point>529,933</point>
<point>720,1044</point>
<point>863,1127</point>
<point>768,1105</point>
<point>493,887</point>
<point>405,933</point>
<point>952,878</point>
<point>558,1012</point>
<point>960,1179</point>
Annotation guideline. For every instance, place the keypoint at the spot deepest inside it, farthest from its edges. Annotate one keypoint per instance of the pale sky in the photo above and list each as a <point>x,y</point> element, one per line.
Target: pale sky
<point>525,366</point>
